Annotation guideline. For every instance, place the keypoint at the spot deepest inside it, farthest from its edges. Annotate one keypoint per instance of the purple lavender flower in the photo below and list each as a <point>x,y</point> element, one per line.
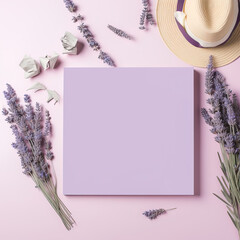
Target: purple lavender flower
<point>153,214</point>
<point>48,126</point>
<point>150,18</point>
<point>26,125</point>
<point>146,15</point>
<point>230,112</point>
<point>208,119</point>
<point>77,18</point>
<point>230,144</point>
<point>224,110</point>
<point>209,77</point>
<point>225,124</point>
<point>4,111</point>
<point>23,150</point>
<point>236,109</point>
<point>89,37</point>
<point>11,91</point>
<point>33,148</point>
<point>85,31</point>
<point>70,5</point>
<point>93,44</point>
<point>10,119</point>
<point>106,58</point>
<point>27,98</point>
<point>49,153</point>
<point>119,32</point>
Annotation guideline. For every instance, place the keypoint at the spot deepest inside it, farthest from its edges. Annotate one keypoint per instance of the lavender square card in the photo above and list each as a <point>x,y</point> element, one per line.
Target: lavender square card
<point>128,131</point>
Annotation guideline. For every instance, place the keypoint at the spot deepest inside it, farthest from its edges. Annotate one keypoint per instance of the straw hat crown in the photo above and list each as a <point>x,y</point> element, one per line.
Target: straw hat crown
<point>209,21</point>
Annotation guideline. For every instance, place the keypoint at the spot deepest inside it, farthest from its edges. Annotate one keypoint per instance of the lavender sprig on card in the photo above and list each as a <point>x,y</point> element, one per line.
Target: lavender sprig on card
<point>224,120</point>
<point>32,143</point>
<point>146,15</point>
<point>88,35</point>
<point>153,214</point>
<point>119,32</point>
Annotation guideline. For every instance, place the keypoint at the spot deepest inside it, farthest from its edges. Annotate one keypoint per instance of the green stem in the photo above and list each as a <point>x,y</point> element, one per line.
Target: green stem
<point>56,208</point>
<point>170,209</point>
<point>65,219</point>
<point>53,191</point>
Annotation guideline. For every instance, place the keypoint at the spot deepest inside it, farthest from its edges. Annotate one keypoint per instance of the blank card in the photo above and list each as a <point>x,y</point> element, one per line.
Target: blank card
<point>128,131</point>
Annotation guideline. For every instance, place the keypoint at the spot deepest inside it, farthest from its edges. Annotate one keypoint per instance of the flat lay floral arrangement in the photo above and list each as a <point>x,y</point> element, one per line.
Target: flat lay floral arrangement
<point>30,123</point>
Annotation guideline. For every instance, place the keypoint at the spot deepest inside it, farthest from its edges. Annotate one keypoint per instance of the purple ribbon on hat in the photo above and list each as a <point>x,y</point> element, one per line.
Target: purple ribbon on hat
<point>185,34</point>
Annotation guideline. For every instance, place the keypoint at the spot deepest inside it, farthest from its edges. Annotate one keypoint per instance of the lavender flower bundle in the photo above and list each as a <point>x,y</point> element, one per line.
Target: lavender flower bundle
<point>224,119</point>
<point>34,148</point>
<point>87,34</point>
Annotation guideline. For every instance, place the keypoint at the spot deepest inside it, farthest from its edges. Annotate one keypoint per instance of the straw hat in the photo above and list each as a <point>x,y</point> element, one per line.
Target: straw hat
<point>196,29</point>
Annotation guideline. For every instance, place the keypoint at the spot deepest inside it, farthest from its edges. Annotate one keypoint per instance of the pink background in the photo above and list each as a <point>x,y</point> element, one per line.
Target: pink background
<point>35,28</point>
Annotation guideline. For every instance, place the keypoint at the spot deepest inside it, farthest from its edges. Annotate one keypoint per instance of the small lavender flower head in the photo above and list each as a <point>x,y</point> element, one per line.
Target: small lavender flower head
<point>231,116</point>
<point>106,58</point>
<point>150,19</point>
<point>145,3</point>
<point>208,119</point>
<point>93,44</point>
<point>4,111</point>
<point>49,153</point>
<point>85,30</point>
<point>10,93</point>
<point>146,15</point>
<point>230,144</point>
<point>209,77</point>
<point>27,98</point>
<point>48,126</point>
<point>70,5</point>
<point>119,32</point>
<point>74,19</point>
<point>79,17</point>
<point>142,20</point>
<point>153,214</point>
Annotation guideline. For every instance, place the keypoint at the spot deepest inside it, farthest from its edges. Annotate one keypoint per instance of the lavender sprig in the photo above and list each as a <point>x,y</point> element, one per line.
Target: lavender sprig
<point>153,214</point>
<point>70,5</point>
<point>223,117</point>
<point>106,58</point>
<point>119,32</point>
<point>34,148</point>
<point>146,15</point>
<point>87,34</point>
<point>77,18</point>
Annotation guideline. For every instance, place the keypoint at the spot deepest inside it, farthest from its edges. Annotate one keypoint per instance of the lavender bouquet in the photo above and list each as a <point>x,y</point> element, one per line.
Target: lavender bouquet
<point>224,119</point>
<point>34,148</point>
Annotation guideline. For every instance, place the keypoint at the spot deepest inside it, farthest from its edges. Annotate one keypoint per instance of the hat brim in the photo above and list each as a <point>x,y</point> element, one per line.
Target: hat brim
<point>176,42</point>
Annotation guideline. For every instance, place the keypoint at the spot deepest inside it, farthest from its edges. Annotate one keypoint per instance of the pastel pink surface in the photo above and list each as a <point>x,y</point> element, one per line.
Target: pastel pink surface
<point>35,27</point>
<point>122,134</point>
